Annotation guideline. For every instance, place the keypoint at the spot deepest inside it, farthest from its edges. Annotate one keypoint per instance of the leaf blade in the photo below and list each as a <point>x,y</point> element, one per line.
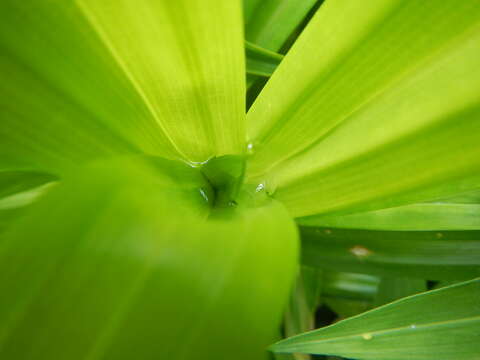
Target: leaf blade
<point>418,254</point>
<point>293,145</point>
<point>186,61</point>
<point>426,324</point>
<point>415,217</point>
<point>96,280</point>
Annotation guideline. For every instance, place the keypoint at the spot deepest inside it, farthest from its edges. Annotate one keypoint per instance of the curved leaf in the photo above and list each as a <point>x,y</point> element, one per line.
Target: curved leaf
<point>420,327</point>
<point>12,182</point>
<point>359,124</point>
<point>185,59</point>
<point>139,272</point>
<point>64,99</point>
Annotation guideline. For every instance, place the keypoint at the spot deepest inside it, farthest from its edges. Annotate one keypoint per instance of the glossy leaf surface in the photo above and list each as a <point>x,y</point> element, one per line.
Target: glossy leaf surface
<point>64,98</point>
<point>139,271</point>
<point>318,130</point>
<point>185,59</point>
<point>421,327</point>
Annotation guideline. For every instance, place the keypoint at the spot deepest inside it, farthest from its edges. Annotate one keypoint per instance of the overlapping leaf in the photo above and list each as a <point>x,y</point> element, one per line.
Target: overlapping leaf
<point>270,23</point>
<point>419,254</point>
<point>443,323</point>
<point>378,115</point>
<point>417,217</point>
<point>260,61</point>
<point>186,61</point>
<point>64,99</point>
<point>139,272</point>
<point>102,78</point>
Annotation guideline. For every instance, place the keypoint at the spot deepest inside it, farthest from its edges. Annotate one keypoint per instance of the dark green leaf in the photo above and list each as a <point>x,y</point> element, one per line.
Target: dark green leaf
<point>417,254</point>
<point>440,324</point>
<point>391,289</point>
<point>261,62</point>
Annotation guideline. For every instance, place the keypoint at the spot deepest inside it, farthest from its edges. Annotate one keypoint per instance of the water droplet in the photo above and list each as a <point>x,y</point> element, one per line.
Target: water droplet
<point>367,336</point>
<point>204,195</point>
<point>413,326</point>
<point>328,231</point>
<point>196,164</point>
<point>232,203</point>
<point>439,235</point>
<point>260,187</point>
<point>360,251</point>
<point>250,148</point>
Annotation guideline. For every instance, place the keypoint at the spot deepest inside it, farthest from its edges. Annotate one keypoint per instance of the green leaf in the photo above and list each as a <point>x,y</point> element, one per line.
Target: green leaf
<point>64,98</point>
<point>18,189</point>
<point>25,198</point>
<point>12,182</point>
<point>470,197</point>
<point>140,272</point>
<point>185,59</point>
<point>260,61</point>
<point>268,23</point>
<point>418,217</point>
<point>417,254</point>
<point>90,88</point>
<point>318,131</point>
<point>391,289</point>
<point>444,322</point>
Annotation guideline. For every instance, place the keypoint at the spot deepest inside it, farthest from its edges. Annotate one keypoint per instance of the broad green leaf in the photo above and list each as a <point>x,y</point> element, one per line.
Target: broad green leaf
<point>417,254</point>
<point>185,59</point>
<point>358,124</point>
<point>7,216</point>
<point>470,197</point>
<point>260,61</point>
<point>63,96</point>
<point>444,322</point>
<point>391,289</point>
<point>140,272</point>
<point>427,216</point>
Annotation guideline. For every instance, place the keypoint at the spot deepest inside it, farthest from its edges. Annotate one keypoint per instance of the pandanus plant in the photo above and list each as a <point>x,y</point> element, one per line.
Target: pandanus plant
<point>146,215</point>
